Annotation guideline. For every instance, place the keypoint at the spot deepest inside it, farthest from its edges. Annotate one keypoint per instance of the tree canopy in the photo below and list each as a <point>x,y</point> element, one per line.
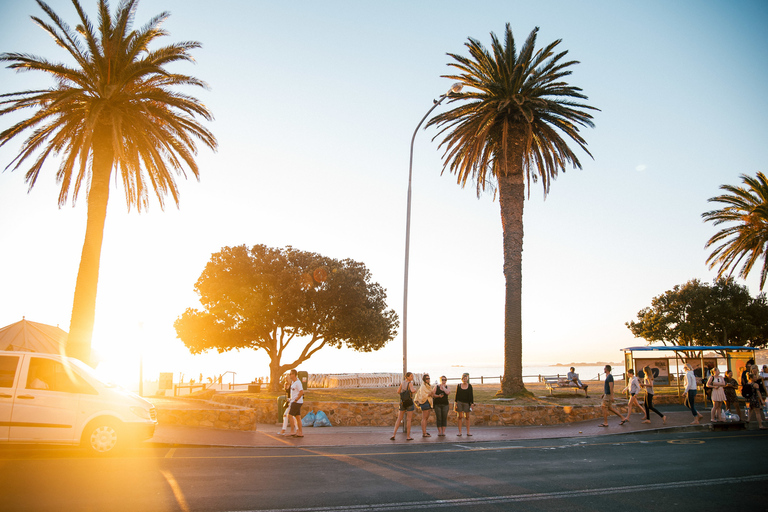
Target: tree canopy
<point>697,313</point>
<point>262,298</point>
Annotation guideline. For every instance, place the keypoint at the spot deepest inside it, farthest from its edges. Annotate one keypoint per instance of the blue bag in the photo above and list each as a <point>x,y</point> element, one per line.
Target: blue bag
<point>308,420</point>
<point>321,420</point>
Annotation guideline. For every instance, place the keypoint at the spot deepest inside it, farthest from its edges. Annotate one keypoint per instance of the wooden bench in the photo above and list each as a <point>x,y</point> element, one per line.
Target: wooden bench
<point>553,383</point>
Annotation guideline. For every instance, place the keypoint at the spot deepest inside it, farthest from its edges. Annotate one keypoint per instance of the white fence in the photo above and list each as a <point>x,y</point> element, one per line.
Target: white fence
<point>355,380</point>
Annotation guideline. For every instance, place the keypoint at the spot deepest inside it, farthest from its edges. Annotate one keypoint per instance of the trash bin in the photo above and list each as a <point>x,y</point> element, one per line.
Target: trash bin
<point>304,379</point>
<point>282,403</point>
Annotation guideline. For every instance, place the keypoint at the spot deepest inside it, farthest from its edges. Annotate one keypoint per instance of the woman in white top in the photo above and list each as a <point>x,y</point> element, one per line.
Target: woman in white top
<point>423,401</point>
<point>690,389</point>
<point>717,383</point>
<point>634,389</point>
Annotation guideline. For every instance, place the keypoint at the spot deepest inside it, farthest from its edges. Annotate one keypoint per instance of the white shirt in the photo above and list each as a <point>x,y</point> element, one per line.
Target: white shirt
<point>634,385</point>
<point>690,381</point>
<point>296,388</point>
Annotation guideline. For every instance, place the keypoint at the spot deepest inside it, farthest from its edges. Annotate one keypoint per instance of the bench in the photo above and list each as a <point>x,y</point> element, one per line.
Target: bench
<point>553,383</point>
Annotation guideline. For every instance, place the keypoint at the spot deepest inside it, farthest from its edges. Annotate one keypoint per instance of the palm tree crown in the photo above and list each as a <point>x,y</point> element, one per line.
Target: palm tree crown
<point>512,131</point>
<point>113,110</point>
<point>118,94</point>
<point>746,236</point>
<point>515,101</point>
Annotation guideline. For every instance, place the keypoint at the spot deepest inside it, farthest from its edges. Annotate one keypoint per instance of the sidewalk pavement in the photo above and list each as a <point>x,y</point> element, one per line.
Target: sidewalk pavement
<point>266,435</point>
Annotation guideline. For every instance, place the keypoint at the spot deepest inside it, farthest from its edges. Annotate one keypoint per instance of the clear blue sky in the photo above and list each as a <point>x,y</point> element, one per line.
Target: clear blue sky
<point>315,104</point>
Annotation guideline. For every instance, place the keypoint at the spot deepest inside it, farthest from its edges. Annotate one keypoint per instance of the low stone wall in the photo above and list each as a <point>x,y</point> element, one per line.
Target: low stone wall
<point>225,419</point>
<point>353,414</point>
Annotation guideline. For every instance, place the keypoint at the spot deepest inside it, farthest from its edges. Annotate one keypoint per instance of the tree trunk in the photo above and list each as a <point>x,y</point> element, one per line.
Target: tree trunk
<point>511,200</point>
<point>84,302</point>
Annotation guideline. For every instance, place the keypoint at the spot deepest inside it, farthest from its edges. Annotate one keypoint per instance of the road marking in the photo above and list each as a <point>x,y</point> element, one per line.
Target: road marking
<point>170,453</point>
<point>685,441</point>
<point>176,490</point>
<point>490,500</point>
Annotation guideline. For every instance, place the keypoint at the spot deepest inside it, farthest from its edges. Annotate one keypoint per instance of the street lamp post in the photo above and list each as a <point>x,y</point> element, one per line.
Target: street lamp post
<point>455,88</point>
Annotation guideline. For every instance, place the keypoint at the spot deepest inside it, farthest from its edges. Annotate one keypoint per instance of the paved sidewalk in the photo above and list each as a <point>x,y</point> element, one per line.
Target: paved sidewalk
<point>266,435</point>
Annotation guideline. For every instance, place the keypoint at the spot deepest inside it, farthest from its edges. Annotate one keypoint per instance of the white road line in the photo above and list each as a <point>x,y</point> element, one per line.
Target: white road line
<point>420,505</point>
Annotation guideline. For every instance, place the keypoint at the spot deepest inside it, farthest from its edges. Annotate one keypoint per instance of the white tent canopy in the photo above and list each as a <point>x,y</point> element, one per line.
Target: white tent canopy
<point>33,337</point>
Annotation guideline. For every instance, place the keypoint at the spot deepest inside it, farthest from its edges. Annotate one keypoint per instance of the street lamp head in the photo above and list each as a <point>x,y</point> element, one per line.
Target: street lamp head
<point>456,88</point>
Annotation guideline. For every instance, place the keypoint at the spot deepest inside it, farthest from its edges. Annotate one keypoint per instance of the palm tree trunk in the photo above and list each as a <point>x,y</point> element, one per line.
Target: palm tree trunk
<point>512,199</point>
<point>84,302</point>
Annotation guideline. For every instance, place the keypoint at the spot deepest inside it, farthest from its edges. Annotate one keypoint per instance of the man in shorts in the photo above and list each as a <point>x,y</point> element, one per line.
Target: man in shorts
<point>297,398</point>
<point>607,404</point>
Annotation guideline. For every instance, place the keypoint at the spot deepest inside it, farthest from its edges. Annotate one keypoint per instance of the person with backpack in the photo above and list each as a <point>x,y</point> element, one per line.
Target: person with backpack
<point>406,391</point>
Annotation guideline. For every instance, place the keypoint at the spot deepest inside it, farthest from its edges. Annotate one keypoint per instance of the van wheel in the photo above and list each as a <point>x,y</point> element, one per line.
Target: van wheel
<point>103,437</point>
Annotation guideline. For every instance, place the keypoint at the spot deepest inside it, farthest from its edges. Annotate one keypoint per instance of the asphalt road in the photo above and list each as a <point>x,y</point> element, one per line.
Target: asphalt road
<point>655,471</point>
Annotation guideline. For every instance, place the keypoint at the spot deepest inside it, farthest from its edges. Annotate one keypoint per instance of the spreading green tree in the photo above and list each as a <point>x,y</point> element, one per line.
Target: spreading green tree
<point>512,129</point>
<point>698,314</point>
<point>114,114</point>
<point>264,298</point>
<point>745,235</point>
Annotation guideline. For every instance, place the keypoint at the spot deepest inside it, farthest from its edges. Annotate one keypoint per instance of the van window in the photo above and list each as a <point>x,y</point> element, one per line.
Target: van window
<point>8,365</point>
<point>54,376</point>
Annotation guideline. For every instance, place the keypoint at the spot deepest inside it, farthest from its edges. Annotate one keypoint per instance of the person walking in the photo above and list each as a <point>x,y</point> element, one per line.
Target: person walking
<point>607,404</point>
<point>756,401</point>
<point>634,388</point>
<point>731,385</point>
<point>287,400</point>
<point>423,401</point>
<point>463,402</point>
<point>297,399</point>
<point>441,403</point>
<point>717,383</point>
<point>406,391</point>
<point>648,405</point>
<point>690,389</point>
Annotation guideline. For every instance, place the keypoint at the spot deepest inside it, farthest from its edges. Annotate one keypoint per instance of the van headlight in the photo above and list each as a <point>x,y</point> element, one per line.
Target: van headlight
<point>140,412</point>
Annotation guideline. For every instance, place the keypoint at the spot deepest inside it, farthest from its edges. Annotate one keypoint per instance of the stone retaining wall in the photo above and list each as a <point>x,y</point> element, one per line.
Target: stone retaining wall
<point>238,412</point>
<point>353,414</point>
<point>225,419</point>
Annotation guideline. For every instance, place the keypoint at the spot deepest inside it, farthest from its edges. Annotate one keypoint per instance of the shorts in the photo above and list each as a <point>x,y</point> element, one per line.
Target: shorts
<point>461,406</point>
<point>408,408</point>
<point>425,406</point>
<point>295,409</point>
<point>607,400</point>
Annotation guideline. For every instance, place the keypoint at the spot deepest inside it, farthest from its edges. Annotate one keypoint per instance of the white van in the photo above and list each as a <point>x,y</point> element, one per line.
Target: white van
<point>49,398</point>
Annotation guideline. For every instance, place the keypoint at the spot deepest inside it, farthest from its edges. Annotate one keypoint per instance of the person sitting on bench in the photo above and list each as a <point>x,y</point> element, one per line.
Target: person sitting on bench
<point>573,379</point>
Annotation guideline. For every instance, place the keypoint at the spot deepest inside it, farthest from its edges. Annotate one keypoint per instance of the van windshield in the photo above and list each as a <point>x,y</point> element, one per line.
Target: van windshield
<point>92,373</point>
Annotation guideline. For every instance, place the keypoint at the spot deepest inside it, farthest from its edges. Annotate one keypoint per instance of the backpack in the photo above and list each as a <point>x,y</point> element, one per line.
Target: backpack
<point>405,396</point>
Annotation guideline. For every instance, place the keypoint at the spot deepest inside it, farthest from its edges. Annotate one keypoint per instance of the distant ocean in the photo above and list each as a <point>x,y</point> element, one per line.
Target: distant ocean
<point>530,373</point>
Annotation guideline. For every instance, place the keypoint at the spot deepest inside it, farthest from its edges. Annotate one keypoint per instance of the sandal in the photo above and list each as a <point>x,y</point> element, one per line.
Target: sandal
<point>603,425</point>
<point>458,435</point>
<point>409,439</point>
<point>392,438</point>
<point>623,422</point>
<point>469,435</point>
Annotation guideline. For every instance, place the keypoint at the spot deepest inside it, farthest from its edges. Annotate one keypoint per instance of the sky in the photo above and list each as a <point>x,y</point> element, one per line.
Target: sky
<point>315,104</point>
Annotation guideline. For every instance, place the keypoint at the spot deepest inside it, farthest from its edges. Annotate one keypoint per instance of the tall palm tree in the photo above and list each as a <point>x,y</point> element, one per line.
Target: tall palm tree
<point>113,111</point>
<point>746,236</point>
<point>508,134</point>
